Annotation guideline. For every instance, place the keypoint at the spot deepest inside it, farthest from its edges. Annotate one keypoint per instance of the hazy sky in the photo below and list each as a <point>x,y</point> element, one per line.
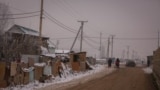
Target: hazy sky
<point>126,19</point>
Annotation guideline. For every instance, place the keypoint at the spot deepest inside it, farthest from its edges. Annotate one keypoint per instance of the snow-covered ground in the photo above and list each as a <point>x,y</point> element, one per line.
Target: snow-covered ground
<point>148,70</point>
<point>68,79</point>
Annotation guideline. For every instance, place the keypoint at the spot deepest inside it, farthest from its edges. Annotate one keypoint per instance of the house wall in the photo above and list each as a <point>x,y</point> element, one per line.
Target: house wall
<point>156,66</point>
<point>24,58</point>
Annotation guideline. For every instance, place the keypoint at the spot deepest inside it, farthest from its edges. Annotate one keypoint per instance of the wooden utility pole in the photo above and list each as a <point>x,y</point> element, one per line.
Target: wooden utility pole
<point>133,52</point>
<point>100,47</point>
<point>40,24</point>
<point>75,39</point>
<point>112,37</point>
<point>82,23</point>
<point>123,54</point>
<point>158,38</point>
<point>108,48</point>
<point>57,44</point>
<point>128,52</point>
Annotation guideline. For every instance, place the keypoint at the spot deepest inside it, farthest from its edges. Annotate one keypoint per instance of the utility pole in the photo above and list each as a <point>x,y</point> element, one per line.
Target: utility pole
<point>40,24</point>
<point>100,47</point>
<point>57,44</point>
<point>112,37</point>
<point>108,48</point>
<point>133,55</point>
<point>128,52</point>
<point>75,39</point>
<point>82,23</point>
<point>123,55</point>
<point>158,38</point>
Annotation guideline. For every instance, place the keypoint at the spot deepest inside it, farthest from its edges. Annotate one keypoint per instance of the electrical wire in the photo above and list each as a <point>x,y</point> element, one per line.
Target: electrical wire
<point>91,45</point>
<point>19,17</point>
<point>59,23</point>
<point>87,37</point>
<point>21,13</point>
<point>61,5</point>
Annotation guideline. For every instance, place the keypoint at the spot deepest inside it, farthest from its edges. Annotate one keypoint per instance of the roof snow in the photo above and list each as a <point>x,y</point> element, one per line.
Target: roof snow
<point>24,30</point>
<point>62,51</point>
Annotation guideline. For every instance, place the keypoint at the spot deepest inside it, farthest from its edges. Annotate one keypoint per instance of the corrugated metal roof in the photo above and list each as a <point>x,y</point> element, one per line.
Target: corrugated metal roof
<point>28,30</point>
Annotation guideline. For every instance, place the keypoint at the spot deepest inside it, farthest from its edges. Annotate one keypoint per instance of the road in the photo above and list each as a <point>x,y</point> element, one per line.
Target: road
<point>121,79</point>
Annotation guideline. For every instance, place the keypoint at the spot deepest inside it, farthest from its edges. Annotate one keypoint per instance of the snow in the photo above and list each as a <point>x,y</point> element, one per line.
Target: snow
<point>40,64</point>
<point>62,51</point>
<point>50,55</point>
<point>44,50</point>
<point>148,70</point>
<point>66,77</point>
<point>27,69</point>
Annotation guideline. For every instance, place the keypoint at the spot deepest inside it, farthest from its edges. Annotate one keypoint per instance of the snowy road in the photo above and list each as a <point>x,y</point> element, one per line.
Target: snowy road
<point>80,79</point>
<point>124,79</point>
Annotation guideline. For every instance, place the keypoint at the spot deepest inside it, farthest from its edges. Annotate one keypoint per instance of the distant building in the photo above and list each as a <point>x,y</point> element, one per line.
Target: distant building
<point>150,59</point>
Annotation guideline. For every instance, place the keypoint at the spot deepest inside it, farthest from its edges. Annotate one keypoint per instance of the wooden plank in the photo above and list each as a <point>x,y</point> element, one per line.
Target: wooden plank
<point>13,68</point>
<point>30,62</point>
<point>2,70</point>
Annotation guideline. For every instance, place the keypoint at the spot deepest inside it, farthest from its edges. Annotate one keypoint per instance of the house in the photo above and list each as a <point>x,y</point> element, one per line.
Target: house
<point>23,42</point>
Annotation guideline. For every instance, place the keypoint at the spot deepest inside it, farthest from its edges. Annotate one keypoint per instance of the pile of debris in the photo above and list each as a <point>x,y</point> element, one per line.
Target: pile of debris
<point>14,73</point>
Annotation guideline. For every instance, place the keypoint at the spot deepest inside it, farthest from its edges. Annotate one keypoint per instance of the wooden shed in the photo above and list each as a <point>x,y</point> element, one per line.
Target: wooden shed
<point>78,61</point>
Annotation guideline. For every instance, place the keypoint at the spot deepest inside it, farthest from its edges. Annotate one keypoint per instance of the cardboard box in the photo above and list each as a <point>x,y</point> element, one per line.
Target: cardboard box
<point>30,62</point>
<point>13,68</point>
<point>2,70</point>
<point>26,78</point>
<point>75,66</point>
<point>82,66</point>
<point>18,79</point>
<point>55,68</point>
<point>38,72</point>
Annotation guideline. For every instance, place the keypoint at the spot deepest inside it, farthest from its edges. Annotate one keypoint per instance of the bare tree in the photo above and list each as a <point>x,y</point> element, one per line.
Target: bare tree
<point>4,22</point>
<point>4,17</point>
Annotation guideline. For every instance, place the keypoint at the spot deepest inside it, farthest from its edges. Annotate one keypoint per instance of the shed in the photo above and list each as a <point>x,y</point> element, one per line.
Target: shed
<point>78,61</point>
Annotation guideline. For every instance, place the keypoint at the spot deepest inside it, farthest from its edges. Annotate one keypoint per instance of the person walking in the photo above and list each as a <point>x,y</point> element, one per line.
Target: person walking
<point>117,62</point>
<point>109,62</point>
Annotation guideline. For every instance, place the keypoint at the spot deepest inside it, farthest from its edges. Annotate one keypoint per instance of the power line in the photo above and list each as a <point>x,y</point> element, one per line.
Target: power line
<point>65,9</point>
<point>59,23</point>
<point>19,17</point>
<point>90,44</point>
<point>21,13</point>
<point>135,38</point>
<point>72,9</point>
<point>87,37</point>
